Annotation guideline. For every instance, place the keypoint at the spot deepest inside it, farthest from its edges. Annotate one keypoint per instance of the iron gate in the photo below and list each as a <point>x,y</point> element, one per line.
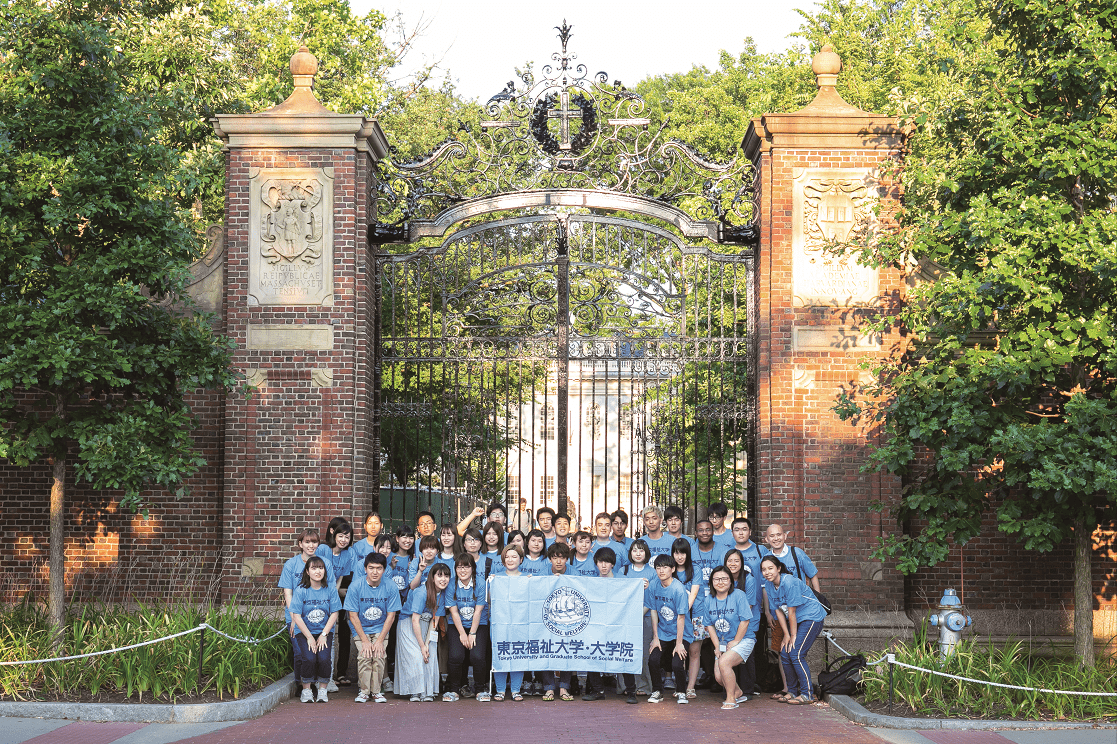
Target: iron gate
<point>582,344</point>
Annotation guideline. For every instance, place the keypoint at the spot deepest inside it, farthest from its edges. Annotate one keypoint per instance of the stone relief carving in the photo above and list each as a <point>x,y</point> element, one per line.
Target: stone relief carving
<point>322,377</point>
<point>833,205</point>
<point>291,236</point>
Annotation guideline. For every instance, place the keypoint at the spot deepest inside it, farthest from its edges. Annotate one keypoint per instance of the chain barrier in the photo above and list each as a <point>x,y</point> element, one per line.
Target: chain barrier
<point>203,626</point>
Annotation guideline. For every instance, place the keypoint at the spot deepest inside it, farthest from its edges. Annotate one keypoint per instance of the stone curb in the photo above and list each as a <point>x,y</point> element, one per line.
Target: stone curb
<point>253,706</point>
<point>857,713</point>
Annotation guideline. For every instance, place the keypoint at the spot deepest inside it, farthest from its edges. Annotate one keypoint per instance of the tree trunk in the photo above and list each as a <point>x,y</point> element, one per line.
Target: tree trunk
<point>56,601</point>
<point>1083,594</point>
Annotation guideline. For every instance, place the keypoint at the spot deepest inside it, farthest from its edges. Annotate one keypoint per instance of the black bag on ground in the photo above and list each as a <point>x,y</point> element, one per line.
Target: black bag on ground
<point>843,680</point>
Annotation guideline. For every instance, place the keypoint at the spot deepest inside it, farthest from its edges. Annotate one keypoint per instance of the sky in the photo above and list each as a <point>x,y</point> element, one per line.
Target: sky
<point>482,42</point>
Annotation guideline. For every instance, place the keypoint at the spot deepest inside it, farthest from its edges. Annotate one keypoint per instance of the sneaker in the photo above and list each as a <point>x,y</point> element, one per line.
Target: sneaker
<point>669,682</point>
<point>427,699</point>
<point>386,685</point>
<point>466,691</point>
<point>331,687</point>
<point>379,698</point>
<point>416,698</point>
<point>682,698</point>
<point>631,699</point>
<point>322,697</point>
<point>308,695</point>
<point>449,697</point>
<point>362,697</point>
<point>599,695</point>
<point>655,697</point>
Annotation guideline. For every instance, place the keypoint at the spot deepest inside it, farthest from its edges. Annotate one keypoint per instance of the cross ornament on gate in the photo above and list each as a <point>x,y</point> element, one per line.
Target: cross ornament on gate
<point>563,113</point>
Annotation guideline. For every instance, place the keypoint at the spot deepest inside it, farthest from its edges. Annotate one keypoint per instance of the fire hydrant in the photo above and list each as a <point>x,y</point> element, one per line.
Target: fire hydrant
<point>950,620</point>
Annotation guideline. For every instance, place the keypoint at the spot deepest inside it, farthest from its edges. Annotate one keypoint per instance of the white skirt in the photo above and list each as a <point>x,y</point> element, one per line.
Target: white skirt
<point>413,676</point>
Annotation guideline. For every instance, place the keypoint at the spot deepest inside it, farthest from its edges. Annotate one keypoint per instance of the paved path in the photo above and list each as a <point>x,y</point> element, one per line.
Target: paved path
<point>343,722</point>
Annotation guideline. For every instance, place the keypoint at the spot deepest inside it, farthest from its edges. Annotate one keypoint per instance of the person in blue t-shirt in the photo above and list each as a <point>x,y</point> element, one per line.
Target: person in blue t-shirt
<point>373,526</point>
<point>659,543</point>
<point>705,553</point>
<point>730,616</point>
<point>335,551</point>
<point>417,671</point>
<point>292,573</point>
<point>716,513</point>
<point>486,565</point>
<point>673,520</point>
<point>545,521</point>
<point>372,605</point>
<point>314,607</point>
<point>421,564</point>
<point>800,616</point>
<point>751,553</point>
<point>620,527</point>
<point>639,566</point>
<point>467,604</point>
<point>670,610</point>
<point>493,538</point>
<point>535,561</point>
<point>801,567</point>
<point>692,582</point>
<point>605,561</point>
<point>582,563</point>
<point>603,528</point>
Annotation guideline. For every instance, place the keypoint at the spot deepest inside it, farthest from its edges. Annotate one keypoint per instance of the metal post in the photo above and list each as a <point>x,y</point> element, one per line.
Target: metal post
<point>563,358</point>
<point>825,651</point>
<point>891,685</point>
<point>201,654</point>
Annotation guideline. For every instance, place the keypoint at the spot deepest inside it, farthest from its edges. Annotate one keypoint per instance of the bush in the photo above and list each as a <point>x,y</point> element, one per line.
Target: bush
<point>162,671</point>
<point>1010,664</point>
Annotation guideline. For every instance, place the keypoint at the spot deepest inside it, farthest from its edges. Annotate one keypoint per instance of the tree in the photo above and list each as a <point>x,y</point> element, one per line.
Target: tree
<point>100,343</point>
<point>1006,400</point>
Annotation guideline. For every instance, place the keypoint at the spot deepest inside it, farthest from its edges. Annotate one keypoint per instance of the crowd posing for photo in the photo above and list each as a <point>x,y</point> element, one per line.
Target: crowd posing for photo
<point>414,604</point>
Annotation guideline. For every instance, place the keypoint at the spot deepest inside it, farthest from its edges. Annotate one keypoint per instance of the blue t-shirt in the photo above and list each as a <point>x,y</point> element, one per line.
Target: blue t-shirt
<point>669,602</point>
<point>582,568</point>
<point>466,599</point>
<point>359,550</point>
<point>486,567</point>
<point>413,569</point>
<point>725,615</point>
<point>794,593</point>
<point>726,539</point>
<point>662,546</point>
<point>753,554</point>
<point>706,562</point>
<point>315,606</point>
<point>372,604</point>
<point>417,604</point>
<point>622,555</point>
<point>498,565</point>
<point>342,563</point>
<point>807,568</point>
<point>292,574</point>
<point>647,572</point>
<point>397,573</point>
<point>540,566</point>
<point>622,546</point>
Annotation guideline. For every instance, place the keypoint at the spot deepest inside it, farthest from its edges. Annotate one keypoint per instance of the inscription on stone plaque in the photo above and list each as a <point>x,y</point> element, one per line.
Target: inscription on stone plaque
<point>291,236</point>
<point>833,205</point>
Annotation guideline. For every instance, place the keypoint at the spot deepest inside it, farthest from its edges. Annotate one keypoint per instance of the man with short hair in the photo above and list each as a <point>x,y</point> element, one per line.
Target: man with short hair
<point>603,529</point>
<point>706,555</point>
<point>495,513</point>
<point>716,513</point>
<point>425,524</point>
<point>545,519</point>
<point>750,551</point>
<point>620,527</point>
<point>562,528</point>
<point>658,542</point>
<point>673,520</point>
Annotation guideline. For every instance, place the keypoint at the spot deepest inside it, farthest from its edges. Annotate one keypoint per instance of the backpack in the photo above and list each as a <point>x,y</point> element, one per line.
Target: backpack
<point>822,600</point>
<point>845,680</point>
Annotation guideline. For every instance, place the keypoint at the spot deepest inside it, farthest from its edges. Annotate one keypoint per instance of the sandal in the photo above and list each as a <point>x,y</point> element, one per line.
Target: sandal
<point>730,706</point>
<point>498,697</point>
<point>800,700</point>
<point>566,696</point>
<point>781,696</point>
<point>517,697</point>
<point>548,696</point>
<point>691,694</point>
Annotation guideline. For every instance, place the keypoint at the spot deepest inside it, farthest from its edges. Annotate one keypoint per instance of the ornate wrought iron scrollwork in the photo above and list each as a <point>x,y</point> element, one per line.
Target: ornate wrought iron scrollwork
<point>566,129</point>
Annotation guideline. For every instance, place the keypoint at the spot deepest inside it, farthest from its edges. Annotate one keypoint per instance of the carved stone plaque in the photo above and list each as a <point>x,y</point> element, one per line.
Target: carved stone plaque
<point>831,205</point>
<point>291,236</point>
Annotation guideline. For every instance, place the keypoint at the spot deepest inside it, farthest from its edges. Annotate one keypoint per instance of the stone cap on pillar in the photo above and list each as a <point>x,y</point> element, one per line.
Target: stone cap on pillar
<point>301,121</point>
<point>827,122</point>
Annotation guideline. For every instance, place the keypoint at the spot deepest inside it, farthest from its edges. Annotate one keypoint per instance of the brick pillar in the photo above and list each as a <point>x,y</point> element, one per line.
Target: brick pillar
<point>298,302</point>
<point>818,181</point>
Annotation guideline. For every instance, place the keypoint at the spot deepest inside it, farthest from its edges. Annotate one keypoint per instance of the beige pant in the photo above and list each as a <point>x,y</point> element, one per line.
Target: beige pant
<point>370,671</point>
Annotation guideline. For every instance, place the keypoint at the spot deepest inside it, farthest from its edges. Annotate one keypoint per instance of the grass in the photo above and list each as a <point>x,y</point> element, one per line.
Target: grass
<point>159,672</point>
<point>1010,664</point>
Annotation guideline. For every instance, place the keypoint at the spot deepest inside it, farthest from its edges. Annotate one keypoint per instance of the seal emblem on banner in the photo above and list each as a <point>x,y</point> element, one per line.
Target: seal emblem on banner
<point>566,611</point>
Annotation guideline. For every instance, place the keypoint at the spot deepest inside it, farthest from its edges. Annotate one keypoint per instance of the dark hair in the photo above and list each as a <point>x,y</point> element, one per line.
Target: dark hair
<point>422,514</point>
<point>557,549</point>
<point>313,560</point>
<point>386,538</point>
<point>405,530</point>
<point>662,560</point>
<point>493,527</point>
<point>682,545</point>
<point>429,541</point>
<point>639,542</point>
<point>535,533</point>
<point>338,526</point>
<point>562,515</point>
<point>370,515</point>
<point>375,557</point>
<point>746,520</point>
<point>580,534</point>
<point>547,509</point>
<point>309,532</point>
<point>465,559</point>
<point>432,593</point>
<point>718,509</point>
<point>606,554</point>
<point>779,564</point>
<point>476,535</point>
<point>619,514</point>
<point>599,515</point>
<point>673,511</point>
<point>496,506</point>
<point>724,570</point>
<point>512,535</point>
<point>447,527</point>
<point>739,581</point>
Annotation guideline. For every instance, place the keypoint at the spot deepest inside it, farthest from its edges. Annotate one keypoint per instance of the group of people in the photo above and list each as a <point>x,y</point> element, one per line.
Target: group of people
<point>703,596</point>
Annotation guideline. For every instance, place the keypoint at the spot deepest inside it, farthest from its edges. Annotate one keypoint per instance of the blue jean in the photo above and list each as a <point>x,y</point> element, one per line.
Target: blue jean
<point>794,662</point>
<point>501,680</point>
<point>312,666</point>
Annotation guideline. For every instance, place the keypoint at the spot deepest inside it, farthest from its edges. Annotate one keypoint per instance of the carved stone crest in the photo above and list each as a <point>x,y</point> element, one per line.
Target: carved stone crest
<point>833,205</point>
<point>291,236</point>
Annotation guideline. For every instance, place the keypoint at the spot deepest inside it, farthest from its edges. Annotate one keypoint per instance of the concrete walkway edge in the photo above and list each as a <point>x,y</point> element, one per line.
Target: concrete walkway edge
<point>857,713</point>
<point>250,707</point>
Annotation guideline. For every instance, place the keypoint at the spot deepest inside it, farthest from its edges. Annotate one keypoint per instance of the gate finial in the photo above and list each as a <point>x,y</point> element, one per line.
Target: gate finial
<point>304,66</point>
